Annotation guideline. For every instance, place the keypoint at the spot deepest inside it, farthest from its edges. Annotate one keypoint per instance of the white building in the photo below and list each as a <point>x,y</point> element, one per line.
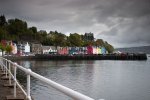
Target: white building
<point>49,49</point>
<point>14,48</point>
<point>23,48</point>
<point>0,52</point>
<point>53,50</point>
<point>94,50</point>
<point>45,49</point>
<point>26,48</point>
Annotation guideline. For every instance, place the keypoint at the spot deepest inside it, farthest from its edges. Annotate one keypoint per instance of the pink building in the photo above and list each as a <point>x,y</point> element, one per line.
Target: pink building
<point>63,50</point>
<point>89,50</point>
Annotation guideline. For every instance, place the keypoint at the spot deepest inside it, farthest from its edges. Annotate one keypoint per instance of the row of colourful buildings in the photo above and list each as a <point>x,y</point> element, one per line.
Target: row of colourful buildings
<point>82,50</point>
<point>26,48</point>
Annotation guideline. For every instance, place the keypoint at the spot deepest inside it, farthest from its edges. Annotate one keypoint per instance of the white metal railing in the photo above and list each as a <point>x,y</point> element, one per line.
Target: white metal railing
<point>7,66</point>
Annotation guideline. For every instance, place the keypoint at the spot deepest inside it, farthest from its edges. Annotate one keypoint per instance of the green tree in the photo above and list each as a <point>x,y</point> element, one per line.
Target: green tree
<point>17,27</point>
<point>47,41</point>
<point>99,42</point>
<point>8,49</point>
<point>34,29</point>
<point>2,48</point>
<point>41,35</point>
<point>60,40</point>
<point>57,39</point>
<point>75,40</point>
<point>109,47</point>
<point>3,34</point>
<point>2,21</point>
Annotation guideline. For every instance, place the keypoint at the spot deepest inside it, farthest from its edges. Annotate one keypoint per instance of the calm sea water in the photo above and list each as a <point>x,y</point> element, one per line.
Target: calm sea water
<point>99,79</point>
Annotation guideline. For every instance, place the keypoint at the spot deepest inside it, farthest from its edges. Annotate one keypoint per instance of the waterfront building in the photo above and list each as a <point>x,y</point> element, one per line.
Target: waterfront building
<point>81,50</point>
<point>103,50</point>
<point>14,48</point>
<point>59,50</point>
<point>20,49</point>
<point>0,52</point>
<point>89,50</point>
<point>66,51</point>
<point>26,48</point>
<point>99,50</point>
<point>72,50</point>
<point>63,50</point>
<point>95,50</point>
<point>84,50</point>
<point>4,42</point>
<point>36,48</point>
<point>45,49</point>
<point>53,50</point>
<point>23,48</point>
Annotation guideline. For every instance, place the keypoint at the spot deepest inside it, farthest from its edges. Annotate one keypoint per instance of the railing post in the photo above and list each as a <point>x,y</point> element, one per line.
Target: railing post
<point>9,68</point>
<point>6,68</point>
<point>2,65</point>
<point>28,85</point>
<point>15,68</point>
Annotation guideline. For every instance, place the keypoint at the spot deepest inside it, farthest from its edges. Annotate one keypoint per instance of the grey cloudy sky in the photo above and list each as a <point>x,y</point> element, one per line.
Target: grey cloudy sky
<point>123,23</point>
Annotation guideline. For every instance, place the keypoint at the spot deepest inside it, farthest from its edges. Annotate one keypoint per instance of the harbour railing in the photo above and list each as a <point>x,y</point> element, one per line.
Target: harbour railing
<point>10,70</point>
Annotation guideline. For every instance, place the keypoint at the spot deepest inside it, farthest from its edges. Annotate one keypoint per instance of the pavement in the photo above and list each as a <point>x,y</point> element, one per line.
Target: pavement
<point>4,91</point>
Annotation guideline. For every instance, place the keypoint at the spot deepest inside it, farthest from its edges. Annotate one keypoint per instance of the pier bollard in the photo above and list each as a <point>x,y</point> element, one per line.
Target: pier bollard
<point>28,85</point>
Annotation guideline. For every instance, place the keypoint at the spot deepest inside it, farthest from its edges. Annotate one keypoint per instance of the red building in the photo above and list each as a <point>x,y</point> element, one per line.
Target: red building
<point>4,42</point>
<point>89,50</point>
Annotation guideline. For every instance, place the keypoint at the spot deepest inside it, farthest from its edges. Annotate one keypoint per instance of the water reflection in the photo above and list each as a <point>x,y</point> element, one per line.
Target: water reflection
<point>111,80</point>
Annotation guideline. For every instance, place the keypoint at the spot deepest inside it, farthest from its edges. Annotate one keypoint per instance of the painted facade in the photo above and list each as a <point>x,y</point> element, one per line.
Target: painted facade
<point>36,48</point>
<point>99,50</point>
<point>14,48</point>
<point>89,50</point>
<point>23,48</point>
<point>49,50</point>
<point>103,50</point>
<point>26,48</point>
<point>45,49</point>
<point>72,50</point>
<point>63,50</point>
<point>53,50</point>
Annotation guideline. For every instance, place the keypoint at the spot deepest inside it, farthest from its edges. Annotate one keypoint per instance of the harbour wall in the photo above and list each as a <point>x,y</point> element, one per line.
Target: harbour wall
<point>80,57</point>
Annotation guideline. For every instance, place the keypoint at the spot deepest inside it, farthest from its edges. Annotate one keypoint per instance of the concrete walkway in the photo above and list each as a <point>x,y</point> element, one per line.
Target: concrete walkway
<point>6,93</point>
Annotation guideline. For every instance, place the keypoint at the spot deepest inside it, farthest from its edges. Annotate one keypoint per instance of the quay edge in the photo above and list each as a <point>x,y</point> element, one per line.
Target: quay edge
<point>80,57</point>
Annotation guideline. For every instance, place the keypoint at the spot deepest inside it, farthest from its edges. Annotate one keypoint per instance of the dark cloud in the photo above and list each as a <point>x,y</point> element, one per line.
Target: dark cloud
<point>120,22</point>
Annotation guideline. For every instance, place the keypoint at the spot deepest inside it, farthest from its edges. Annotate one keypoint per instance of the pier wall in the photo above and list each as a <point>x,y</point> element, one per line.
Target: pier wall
<point>80,57</point>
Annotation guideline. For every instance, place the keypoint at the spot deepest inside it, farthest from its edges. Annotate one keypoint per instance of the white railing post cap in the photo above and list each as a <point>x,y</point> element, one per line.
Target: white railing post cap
<point>29,71</point>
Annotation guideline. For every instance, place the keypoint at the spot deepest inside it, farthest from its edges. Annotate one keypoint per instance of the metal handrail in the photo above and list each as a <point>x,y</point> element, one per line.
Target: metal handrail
<point>67,91</point>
